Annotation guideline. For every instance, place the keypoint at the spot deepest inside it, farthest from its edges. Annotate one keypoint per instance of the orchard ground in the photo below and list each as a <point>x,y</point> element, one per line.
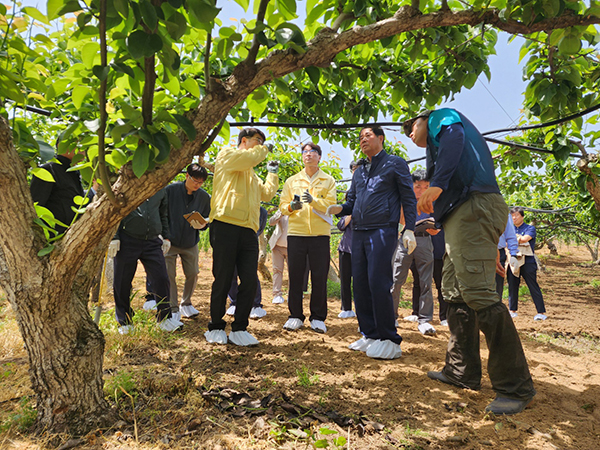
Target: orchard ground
<point>301,389</point>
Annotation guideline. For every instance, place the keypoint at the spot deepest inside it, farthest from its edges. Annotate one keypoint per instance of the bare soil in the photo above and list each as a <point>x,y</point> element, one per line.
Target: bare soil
<point>301,389</point>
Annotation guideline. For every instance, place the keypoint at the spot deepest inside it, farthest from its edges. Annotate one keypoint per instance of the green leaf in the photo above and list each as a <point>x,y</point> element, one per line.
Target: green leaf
<point>34,13</point>
<point>161,141</point>
<point>327,431</point>
<point>243,3</point>
<point>146,136</point>
<point>148,14</point>
<point>176,25</point>
<point>46,250</point>
<point>57,8</point>
<point>321,443</point>
<point>123,68</point>
<point>141,44</point>
<point>191,85</point>
<point>46,151</point>
<point>204,10</point>
<point>42,174</point>
<point>569,45</point>
<point>186,125</point>
<point>122,7</point>
<point>141,160</point>
<point>100,72</point>
<point>314,74</point>
<point>78,95</point>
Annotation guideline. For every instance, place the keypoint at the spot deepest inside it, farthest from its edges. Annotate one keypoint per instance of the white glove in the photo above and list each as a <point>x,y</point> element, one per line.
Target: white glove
<point>306,197</point>
<point>409,241</point>
<point>166,244</point>
<point>272,166</point>
<point>514,264</point>
<point>113,248</point>
<point>334,209</point>
<point>195,224</point>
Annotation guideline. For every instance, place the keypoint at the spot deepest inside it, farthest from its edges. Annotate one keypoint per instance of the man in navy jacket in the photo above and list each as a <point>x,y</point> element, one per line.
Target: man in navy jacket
<point>186,197</point>
<point>380,188</point>
<point>464,196</point>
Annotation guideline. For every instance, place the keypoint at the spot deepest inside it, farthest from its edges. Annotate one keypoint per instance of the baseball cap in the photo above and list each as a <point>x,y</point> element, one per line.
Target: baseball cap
<point>408,124</point>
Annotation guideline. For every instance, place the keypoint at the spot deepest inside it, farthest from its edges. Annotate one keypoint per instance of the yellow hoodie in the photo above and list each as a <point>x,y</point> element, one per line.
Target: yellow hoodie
<point>305,222</point>
<point>237,190</point>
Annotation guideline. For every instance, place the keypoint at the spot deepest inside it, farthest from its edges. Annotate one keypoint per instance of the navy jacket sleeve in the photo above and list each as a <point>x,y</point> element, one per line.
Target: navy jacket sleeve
<point>407,195</point>
<point>348,205</point>
<point>452,140</point>
<point>164,216</point>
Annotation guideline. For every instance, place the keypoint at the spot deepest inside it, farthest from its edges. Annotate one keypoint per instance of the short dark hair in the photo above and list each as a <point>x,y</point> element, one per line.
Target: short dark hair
<point>377,131</point>
<point>197,172</point>
<point>419,175</point>
<point>408,124</point>
<point>250,132</point>
<point>518,209</point>
<point>313,146</point>
<point>353,165</point>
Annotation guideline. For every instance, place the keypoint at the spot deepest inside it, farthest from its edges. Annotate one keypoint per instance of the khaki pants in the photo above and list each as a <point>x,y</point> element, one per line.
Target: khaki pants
<point>472,233</point>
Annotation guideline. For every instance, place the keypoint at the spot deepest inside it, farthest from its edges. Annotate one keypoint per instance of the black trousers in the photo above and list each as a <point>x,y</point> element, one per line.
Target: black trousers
<point>233,246</point>
<point>499,279</point>
<point>438,265</point>
<point>149,252</point>
<point>317,250</point>
<point>529,274</point>
<point>507,366</point>
<point>346,280</point>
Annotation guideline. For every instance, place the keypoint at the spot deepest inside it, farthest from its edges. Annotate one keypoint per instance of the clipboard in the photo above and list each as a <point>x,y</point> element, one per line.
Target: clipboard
<point>195,215</point>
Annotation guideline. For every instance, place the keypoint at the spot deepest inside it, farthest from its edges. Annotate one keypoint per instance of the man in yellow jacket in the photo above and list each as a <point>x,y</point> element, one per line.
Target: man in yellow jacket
<point>234,220</point>
<point>305,198</point>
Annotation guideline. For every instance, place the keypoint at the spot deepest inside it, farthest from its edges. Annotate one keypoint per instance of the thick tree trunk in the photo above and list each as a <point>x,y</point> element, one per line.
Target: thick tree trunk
<point>66,351</point>
<point>64,346</point>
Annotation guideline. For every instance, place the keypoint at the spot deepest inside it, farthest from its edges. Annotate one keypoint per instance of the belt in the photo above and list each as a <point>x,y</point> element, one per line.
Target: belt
<point>423,234</point>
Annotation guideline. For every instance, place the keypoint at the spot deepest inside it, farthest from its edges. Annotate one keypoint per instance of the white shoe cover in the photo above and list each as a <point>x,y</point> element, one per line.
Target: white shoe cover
<point>231,311</point>
<point>150,305</point>
<point>346,314</point>
<point>169,325</point>
<point>384,350</point>
<point>176,316</point>
<point>242,338</point>
<point>362,344</point>
<point>540,317</point>
<point>188,311</point>
<point>278,299</point>
<point>444,323</point>
<point>426,329</point>
<point>412,318</point>
<point>292,324</point>
<point>257,312</point>
<point>216,337</point>
<point>396,323</point>
<point>126,329</point>
<point>318,326</point>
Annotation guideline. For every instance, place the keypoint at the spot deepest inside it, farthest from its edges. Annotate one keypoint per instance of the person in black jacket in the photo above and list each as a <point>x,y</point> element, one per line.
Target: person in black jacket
<point>58,196</point>
<point>143,235</point>
<point>183,198</point>
<point>380,187</point>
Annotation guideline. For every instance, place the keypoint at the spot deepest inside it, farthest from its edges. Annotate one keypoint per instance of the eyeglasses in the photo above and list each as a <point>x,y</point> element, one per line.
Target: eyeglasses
<point>312,150</point>
<point>258,139</point>
<point>196,181</point>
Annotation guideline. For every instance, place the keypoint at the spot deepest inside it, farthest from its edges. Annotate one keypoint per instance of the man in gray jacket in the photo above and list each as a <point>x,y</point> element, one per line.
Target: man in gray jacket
<point>184,198</point>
